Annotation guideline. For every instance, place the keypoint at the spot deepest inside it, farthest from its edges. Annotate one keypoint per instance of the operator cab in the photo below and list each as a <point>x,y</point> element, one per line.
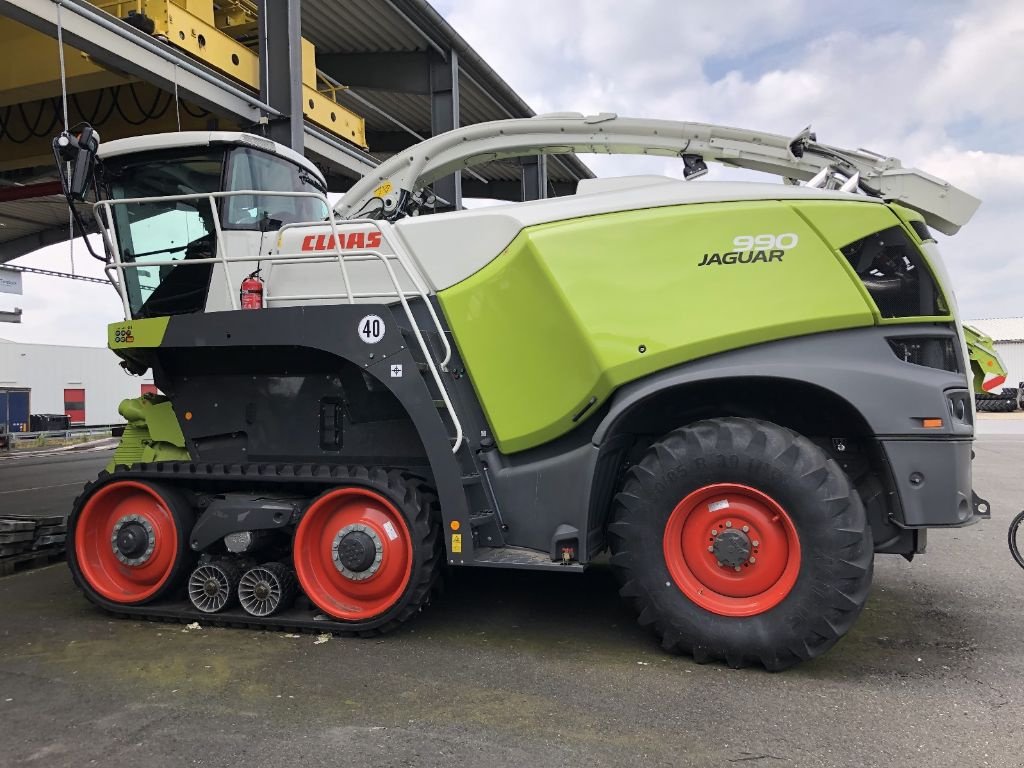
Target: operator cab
<point>166,225</point>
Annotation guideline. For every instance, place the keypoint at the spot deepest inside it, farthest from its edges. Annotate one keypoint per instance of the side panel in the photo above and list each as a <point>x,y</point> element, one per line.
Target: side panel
<point>572,310</point>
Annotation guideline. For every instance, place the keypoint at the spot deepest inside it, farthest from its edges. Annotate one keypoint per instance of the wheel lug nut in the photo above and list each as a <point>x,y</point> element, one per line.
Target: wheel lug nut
<point>714,531</point>
<point>711,549</point>
<point>720,563</point>
<point>746,528</point>
<point>753,560</point>
<point>728,524</point>
<point>756,543</point>
<point>737,567</point>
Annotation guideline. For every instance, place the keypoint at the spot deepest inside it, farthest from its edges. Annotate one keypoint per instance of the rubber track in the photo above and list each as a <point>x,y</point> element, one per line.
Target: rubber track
<point>299,618</point>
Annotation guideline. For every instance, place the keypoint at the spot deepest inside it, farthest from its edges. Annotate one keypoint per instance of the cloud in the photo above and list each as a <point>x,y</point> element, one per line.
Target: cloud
<point>930,83</point>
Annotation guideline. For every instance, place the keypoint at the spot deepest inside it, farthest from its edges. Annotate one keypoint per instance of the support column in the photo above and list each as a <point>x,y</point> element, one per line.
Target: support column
<point>444,116</point>
<point>535,177</point>
<point>281,68</point>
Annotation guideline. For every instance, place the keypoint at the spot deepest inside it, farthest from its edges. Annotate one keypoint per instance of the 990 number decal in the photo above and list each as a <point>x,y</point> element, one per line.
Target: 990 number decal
<point>765,242</point>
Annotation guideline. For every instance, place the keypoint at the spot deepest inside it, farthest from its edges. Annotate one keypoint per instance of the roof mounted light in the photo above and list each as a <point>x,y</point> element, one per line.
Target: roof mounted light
<point>694,167</point>
<point>257,141</point>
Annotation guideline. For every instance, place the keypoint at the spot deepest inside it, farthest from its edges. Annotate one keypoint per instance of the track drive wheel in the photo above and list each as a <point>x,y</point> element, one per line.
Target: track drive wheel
<point>369,553</point>
<point>740,540</point>
<point>128,541</point>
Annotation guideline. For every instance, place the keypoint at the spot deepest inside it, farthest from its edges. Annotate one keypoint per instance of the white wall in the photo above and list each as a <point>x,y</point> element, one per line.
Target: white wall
<point>48,370</point>
<point>1012,353</point>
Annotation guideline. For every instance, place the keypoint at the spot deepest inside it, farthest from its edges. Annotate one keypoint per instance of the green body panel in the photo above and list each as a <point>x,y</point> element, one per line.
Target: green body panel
<point>985,361</point>
<point>572,310</point>
<point>152,433</point>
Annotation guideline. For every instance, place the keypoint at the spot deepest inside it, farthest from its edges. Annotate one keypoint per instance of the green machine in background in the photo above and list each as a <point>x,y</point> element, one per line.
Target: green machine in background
<point>989,374</point>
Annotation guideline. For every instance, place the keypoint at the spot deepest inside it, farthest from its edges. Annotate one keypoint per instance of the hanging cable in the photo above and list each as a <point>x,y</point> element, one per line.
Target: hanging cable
<point>64,101</point>
<point>177,101</point>
<point>63,71</point>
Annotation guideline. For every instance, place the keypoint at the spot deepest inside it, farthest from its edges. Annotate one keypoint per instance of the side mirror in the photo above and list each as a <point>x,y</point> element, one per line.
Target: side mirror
<point>80,150</point>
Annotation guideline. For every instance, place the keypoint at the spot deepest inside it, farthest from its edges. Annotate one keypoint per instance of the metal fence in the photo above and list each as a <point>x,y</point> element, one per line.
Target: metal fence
<point>8,440</point>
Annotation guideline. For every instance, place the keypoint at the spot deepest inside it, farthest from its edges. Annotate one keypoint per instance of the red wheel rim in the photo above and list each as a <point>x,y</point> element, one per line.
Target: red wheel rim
<point>747,529</point>
<point>103,514</point>
<point>316,566</point>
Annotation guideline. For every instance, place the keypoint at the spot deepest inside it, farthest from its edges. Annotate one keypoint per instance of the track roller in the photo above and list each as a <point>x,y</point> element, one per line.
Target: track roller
<point>267,589</point>
<point>213,585</point>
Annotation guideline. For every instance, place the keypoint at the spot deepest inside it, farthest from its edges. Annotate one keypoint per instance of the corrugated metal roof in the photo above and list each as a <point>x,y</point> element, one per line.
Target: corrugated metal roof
<point>352,26</point>
<point>359,27</point>
<point>1000,328</point>
<point>405,26</point>
<point>25,217</point>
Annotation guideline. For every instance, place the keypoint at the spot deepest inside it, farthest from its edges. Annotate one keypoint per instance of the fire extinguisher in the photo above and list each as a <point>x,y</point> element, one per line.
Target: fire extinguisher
<point>251,293</point>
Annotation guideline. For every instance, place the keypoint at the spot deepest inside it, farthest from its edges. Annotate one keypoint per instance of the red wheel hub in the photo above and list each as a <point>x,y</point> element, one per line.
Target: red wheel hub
<point>353,554</point>
<point>732,549</point>
<point>126,541</point>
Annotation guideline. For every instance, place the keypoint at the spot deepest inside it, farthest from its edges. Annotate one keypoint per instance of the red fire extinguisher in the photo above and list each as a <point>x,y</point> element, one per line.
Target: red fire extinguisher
<point>251,294</point>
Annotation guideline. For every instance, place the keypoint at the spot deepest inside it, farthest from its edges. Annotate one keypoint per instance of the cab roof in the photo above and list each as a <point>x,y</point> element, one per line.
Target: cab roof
<point>182,139</point>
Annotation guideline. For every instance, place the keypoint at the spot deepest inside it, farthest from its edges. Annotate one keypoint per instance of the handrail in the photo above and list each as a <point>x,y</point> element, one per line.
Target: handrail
<point>103,211</point>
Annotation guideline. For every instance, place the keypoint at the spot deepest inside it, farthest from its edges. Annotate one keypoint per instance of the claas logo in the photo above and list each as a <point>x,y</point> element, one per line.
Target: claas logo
<point>346,241</point>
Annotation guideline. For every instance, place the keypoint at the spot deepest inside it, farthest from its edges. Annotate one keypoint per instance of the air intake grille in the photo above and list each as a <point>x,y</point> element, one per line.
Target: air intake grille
<point>931,351</point>
<point>893,270</point>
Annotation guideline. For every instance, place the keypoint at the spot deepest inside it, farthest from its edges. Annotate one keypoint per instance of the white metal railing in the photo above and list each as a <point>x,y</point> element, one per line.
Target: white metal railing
<point>103,210</point>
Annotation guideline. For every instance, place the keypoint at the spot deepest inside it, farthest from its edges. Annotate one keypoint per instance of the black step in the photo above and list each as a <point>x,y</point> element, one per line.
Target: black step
<point>519,557</point>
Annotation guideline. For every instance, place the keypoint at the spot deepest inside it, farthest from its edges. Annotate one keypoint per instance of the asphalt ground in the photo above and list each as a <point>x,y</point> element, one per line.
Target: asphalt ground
<point>44,485</point>
<point>517,668</point>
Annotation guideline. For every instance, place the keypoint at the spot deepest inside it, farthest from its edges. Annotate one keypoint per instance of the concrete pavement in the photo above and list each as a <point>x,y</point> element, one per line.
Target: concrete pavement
<point>531,669</point>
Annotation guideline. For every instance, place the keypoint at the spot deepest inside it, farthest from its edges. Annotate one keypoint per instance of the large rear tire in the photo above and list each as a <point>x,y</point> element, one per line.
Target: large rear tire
<point>740,540</point>
<point>128,541</point>
<point>369,554</point>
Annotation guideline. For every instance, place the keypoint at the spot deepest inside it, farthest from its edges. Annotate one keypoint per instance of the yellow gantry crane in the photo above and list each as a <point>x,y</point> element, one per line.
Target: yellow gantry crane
<point>222,35</point>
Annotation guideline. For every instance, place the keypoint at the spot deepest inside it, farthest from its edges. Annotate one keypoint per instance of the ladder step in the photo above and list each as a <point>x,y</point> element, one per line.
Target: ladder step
<point>519,557</point>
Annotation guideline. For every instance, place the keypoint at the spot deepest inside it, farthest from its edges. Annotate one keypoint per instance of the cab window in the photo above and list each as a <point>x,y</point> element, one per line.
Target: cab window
<point>252,169</point>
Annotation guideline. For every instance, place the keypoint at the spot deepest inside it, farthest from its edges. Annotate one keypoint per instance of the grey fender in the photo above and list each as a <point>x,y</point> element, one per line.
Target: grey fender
<point>857,366</point>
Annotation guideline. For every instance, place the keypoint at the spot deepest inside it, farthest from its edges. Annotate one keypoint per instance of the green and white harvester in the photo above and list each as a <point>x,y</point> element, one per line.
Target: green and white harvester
<point>740,391</point>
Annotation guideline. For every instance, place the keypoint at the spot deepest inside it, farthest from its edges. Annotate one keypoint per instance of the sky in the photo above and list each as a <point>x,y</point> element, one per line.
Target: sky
<point>937,84</point>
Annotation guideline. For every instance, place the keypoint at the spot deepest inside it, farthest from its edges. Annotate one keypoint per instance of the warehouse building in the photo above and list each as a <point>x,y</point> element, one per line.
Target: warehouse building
<point>86,383</point>
<point>1008,335</point>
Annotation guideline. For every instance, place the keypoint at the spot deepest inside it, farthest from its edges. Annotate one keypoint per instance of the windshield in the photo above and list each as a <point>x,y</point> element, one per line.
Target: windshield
<point>163,229</point>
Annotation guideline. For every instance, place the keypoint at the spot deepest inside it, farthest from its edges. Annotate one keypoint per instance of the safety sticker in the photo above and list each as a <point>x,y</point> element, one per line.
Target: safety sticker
<point>457,543</point>
<point>383,189</point>
<point>389,529</point>
<point>396,371</point>
<point>714,506</point>
<point>371,329</point>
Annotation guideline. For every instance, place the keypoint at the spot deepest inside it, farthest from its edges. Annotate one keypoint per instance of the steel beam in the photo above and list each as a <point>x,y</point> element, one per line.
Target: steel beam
<point>444,116</point>
<point>510,190</point>
<point>281,69</point>
<point>535,177</point>
<point>390,141</point>
<point>401,72</point>
<point>12,249</point>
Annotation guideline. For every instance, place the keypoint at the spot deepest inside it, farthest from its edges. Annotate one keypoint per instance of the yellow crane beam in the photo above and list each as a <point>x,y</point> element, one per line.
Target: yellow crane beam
<point>194,26</point>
